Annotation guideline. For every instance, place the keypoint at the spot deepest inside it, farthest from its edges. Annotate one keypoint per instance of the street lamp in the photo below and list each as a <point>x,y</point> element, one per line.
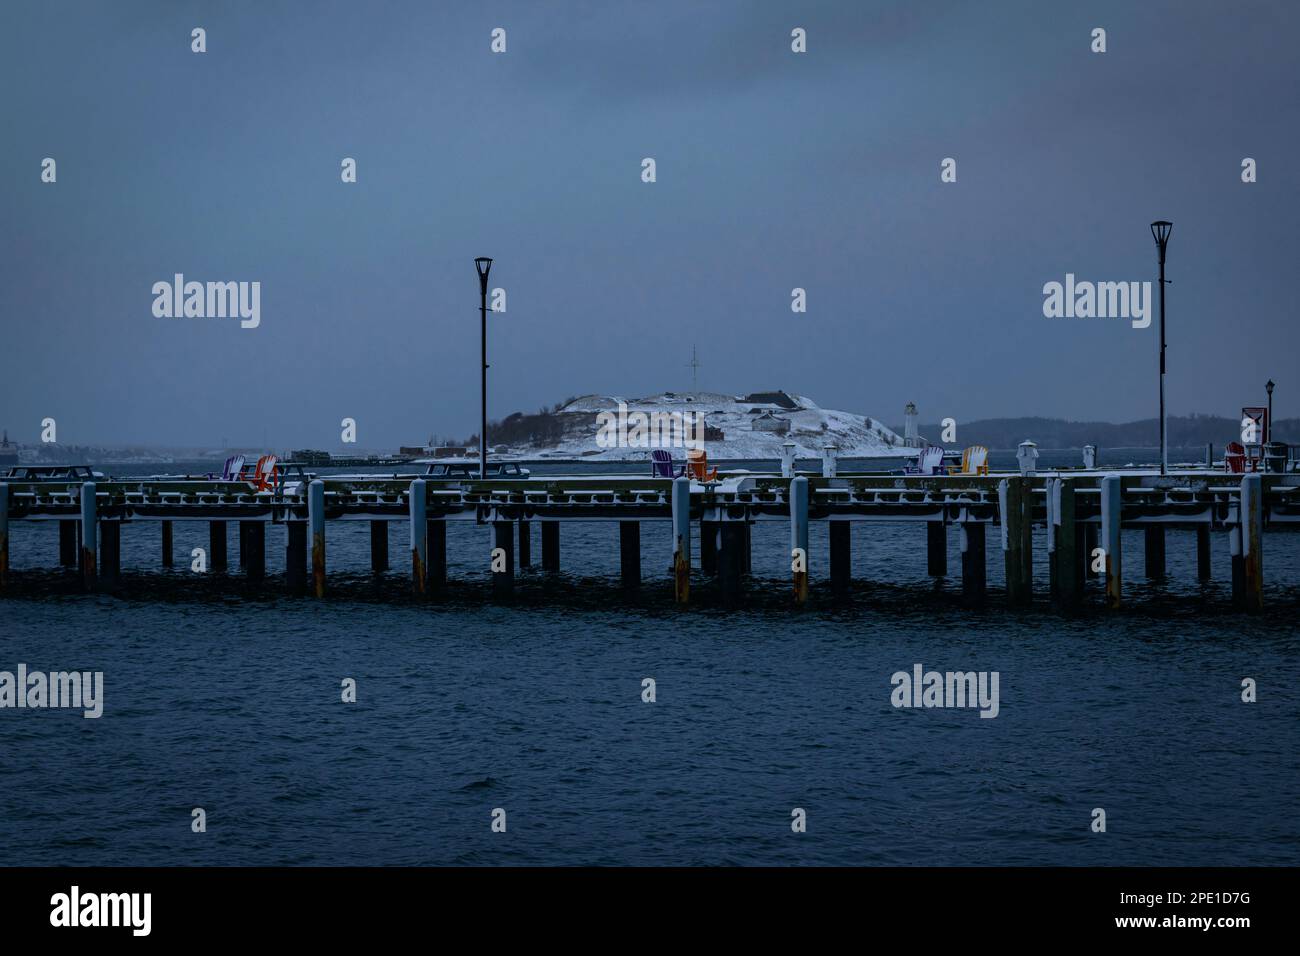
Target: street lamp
<point>483,264</point>
<point>1268,427</point>
<point>1160,230</point>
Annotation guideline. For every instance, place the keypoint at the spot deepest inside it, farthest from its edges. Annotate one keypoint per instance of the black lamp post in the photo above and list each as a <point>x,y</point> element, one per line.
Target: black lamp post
<point>1268,428</point>
<point>483,264</point>
<point>1160,230</point>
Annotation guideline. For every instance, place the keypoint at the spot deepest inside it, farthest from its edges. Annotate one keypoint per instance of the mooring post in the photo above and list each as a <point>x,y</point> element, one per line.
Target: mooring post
<point>1154,535</point>
<point>419,532</point>
<point>316,518</point>
<point>682,539</point>
<point>629,554</point>
<point>731,560</point>
<point>973,570</point>
<point>841,556</point>
<point>110,551</point>
<point>68,543</point>
<point>1112,516</point>
<point>295,555</point>
<point>255,550</point>
<point>936,548</point>
<point>551,546</point>
<point>710,532</point>
<point>4,535</point>
<point>503,559</point>
<point>89,536</point>
<point>1252,542</point>
<point>798,495</point>
<point>525,543</point>
<point>1017,541</point>
<point>1069,568</point>
<point>378,546</point>
<point>168,549</point>
<point>217,546</point>
<point>1203,570</point>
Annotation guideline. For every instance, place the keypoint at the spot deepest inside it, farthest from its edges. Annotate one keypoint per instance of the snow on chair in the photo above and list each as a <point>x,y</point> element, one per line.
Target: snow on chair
<point>928,462</point>
<point>231,469</point>
<point>974,461</point>
<point>264,474</point>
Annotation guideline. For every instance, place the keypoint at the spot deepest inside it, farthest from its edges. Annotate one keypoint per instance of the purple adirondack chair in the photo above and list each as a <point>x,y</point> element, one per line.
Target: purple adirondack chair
<point>928,462</point>
<point>661,465</point>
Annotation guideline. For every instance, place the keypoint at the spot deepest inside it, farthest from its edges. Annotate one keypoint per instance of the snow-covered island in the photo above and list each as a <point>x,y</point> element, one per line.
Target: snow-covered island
<point>736,427</point>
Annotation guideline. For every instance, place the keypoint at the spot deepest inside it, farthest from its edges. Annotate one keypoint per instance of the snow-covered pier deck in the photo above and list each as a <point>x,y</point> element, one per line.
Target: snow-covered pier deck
<point>1076,516</point>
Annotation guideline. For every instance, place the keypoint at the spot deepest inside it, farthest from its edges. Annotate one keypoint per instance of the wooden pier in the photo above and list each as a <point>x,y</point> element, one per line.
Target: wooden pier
<point>1075,516</point>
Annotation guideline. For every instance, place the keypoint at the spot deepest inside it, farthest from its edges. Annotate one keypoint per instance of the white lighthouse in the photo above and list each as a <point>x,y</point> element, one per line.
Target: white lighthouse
<point>910,437</point>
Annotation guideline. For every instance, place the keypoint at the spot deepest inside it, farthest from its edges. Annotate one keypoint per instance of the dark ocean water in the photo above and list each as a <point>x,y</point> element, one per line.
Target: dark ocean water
<point>226,696</point>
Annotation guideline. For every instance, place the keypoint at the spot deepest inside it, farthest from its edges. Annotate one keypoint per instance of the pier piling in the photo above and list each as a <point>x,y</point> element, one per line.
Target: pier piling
<point>68,543</point>
<point>551,546</point>
<point>799,537</point>
<point>629,554</point>
<point>168,549</point>
<point>1252,541</point>
<point>89,536</point>
<point>503,571</point>
<point>841,557</point>
<point>525,543</point>
<point>419,532</point>
<point>4,535</point>
<point>936,549</point>
<point>1068,566</point>
<point>243,542</point>
<point>1017,538</point>
<point>1203,570</point>
<point>110,551</point>
<point>295,555</point>
<point>253,549</point>
<point>435,554</point>
<point>710,532</point>
<point>974,581</point>
<point>681,502</point>
<point>1112,513</point>
<point>316,519</point>
<point>1155,551</point>
<point>378,546</point>
<point>217,547</point>
<point>731,560</point>
<point>1091,538</point>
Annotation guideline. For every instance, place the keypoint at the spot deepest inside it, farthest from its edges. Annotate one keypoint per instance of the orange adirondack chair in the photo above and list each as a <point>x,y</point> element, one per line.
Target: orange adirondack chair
<point>1234,458</point>
<point>263,475</point>
<point>697,466</point>
<point>974,461</point>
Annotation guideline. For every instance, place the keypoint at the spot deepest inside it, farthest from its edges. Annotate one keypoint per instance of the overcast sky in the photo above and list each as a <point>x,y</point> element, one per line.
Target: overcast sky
<point>775,170</point>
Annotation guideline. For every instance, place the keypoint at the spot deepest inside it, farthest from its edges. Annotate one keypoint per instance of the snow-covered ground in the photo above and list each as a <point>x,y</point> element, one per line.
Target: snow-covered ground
<point>752,426</point>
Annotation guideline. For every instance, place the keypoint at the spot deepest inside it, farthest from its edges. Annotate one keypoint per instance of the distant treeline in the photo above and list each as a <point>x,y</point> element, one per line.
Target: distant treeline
<point>1007,433</point>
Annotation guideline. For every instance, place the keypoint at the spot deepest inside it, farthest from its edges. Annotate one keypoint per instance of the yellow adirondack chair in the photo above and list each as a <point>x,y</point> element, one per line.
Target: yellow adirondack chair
<point>974,461</point>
